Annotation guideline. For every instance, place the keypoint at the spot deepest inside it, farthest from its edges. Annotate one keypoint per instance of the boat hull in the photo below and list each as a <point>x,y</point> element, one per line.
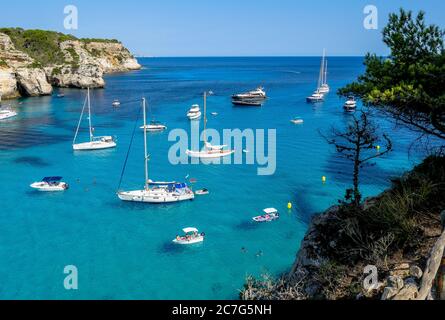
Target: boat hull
<point>153,197</point>
<point>192,241</point>
<point>95,145</point>
<point>209,154</point>
<point>7,115</point>
<point>48,188</point>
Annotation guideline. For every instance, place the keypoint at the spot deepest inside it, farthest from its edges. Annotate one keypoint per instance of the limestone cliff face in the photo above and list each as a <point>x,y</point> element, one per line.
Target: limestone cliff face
<point>84,65</point>
<point>17,75</point>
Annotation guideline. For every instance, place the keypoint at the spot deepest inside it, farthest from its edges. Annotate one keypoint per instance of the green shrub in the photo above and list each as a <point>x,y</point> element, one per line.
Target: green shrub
<point>3,63</point>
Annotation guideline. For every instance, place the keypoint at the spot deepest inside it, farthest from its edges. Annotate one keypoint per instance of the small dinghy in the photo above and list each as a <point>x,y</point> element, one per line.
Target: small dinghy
<point>191,236</point>
<point>297,121</point>
<point>49,184</point>
<point>214,114</point>
<point>270,215</point>
<point>202,192</point>
<point>116,103</point>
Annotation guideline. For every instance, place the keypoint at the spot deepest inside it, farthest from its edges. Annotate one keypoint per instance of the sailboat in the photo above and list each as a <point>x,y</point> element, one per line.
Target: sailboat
<point>210,151</point>
<point>324,88</point>
<point>154,125</point>
<point>95,143</point>
<point>156,192</point>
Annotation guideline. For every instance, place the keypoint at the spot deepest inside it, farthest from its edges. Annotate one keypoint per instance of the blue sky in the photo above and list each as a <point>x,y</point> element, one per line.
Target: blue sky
<point>223,27</point>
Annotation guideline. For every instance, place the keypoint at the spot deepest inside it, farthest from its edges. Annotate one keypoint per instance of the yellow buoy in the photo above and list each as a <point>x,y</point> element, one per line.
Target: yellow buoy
<point>323,179</point>
<point>378,148</point>
<point>289,205</point>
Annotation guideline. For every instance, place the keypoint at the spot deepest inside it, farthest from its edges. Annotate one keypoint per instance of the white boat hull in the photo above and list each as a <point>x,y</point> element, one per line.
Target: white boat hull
<point>94,145</point>
<point>152,196</point>
<point>44,187</point>
<point>210,154</point>
<point>8,114</point>
<point>195,116</point>
<point>191,241</point>
<point>154,127</point>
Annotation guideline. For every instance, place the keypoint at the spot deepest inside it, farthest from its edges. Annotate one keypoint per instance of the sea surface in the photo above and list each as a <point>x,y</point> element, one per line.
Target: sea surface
<point>124,250</point>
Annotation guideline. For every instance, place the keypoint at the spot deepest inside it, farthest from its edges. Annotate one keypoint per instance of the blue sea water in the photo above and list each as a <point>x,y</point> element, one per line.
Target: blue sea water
<point>124,250</point>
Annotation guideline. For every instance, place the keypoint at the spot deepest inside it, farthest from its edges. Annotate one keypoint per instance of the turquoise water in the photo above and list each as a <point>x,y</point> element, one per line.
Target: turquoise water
<point>123,250</point>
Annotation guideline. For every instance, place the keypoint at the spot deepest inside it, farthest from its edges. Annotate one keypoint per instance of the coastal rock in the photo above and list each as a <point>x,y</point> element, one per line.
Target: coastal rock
<point>81,63</point>
<point>415,272</point>
<point>8,83</point>
<point>389,292</point>
<point>408,292</point>
<point>395,282</point>
<point>401,271</point>
<point>32,82</point>
<point>112,56</point>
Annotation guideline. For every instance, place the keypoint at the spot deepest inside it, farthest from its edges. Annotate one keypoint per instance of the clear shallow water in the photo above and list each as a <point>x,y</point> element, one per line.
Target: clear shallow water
<point>124,250</point>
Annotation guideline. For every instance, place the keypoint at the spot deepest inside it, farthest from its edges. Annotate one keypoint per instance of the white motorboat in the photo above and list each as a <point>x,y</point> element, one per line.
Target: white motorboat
<point>95,143</point>
<point>209,151</point>
<point>50,184</point>
<point>315,97</point>
<point>252,98</point>
<point>191,236</point>
<point>156,192</point>
<point>154,126</point>
<point>297,121</point>
<point>258,93</point>
<point>6,114</point>
<point>194,113</point>
<point>350,105</point>
<point>116,103</point>
<point>270,214</point>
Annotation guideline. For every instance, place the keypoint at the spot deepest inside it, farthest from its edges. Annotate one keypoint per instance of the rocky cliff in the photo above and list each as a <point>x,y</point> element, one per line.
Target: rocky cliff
<point>33,61</point>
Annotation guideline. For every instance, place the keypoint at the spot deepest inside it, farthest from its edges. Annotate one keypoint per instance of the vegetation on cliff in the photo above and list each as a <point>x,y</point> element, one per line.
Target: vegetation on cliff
<point>402,224</point>
<point>44,46</point>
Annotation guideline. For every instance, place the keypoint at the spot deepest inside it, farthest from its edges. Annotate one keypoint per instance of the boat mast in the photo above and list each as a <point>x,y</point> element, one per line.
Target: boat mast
<point>145,144</point>
<point>320,76</point>
<point>205,116</point>
<point>89,114</point>
<point>326,72</point>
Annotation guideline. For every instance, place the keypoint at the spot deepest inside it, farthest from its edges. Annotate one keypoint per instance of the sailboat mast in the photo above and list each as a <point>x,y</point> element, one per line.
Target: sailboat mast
<point>326,72</point>
<point>89,114</point>
<point>145,144</point>
<point>205,116</point>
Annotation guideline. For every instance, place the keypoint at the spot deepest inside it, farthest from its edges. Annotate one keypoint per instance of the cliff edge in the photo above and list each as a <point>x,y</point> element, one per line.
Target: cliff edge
<point>33,61</point>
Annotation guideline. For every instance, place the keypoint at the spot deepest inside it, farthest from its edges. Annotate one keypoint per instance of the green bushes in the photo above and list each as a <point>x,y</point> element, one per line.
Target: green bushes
<point>3,63</point>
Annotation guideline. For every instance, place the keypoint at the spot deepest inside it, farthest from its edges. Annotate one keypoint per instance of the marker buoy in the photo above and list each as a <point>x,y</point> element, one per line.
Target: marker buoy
<point>378,148</point>
<point>323,179</point>
<point>289,205</point>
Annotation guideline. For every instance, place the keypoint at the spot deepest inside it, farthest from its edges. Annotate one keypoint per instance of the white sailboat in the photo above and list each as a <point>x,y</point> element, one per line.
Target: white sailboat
<point>209,151</point>
<point>324,88</point>
<point>156,192</point>
<point>95,143</point>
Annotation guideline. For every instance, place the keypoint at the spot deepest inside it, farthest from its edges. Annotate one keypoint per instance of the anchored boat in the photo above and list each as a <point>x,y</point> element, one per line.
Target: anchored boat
<point>6,114</point>
<point>50,184</point>
<point>191,236</point>
<point>252,98</point>
<point>156,192</point>
<point>210,151</point>
<point>194,113</point>
<point>350,105</point>
<point>271,214</point>
<point>95,143</point>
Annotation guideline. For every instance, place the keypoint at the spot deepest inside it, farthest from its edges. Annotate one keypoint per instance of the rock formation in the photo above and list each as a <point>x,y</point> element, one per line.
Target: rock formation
<point>83,65</point>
